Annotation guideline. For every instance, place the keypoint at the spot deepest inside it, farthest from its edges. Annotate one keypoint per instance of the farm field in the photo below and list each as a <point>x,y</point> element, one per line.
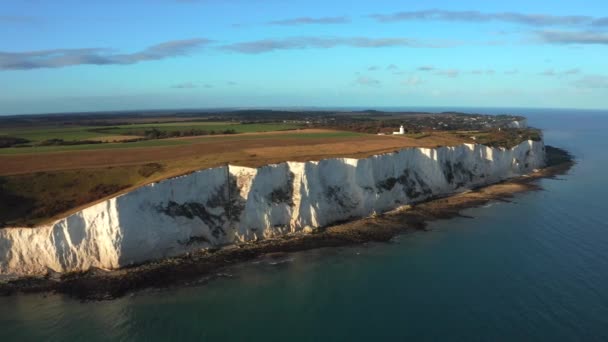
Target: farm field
<point>215,126</point>
<point>116,136</point>
<point>250,149</point>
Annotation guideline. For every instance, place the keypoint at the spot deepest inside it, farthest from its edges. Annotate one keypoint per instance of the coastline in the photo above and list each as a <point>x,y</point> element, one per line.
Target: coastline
<point>101,285</point>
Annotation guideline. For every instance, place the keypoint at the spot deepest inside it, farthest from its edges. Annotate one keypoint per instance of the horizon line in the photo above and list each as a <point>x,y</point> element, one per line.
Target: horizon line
<point>295,107</point>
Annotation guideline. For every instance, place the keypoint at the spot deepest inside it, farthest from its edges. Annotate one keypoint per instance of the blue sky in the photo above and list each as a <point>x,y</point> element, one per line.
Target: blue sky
<point>60,55</point>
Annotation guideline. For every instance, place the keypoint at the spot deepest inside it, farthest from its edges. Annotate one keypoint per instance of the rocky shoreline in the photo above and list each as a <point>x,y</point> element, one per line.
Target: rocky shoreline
<point>99,284</point>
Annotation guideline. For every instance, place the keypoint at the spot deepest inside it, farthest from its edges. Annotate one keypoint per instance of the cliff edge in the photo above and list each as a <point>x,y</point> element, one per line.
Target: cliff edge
<point>232,204</point>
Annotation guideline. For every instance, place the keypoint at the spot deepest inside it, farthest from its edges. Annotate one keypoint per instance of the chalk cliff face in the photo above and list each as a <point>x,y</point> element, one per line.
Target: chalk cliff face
<point>522,123</point>
<point>233,204</point>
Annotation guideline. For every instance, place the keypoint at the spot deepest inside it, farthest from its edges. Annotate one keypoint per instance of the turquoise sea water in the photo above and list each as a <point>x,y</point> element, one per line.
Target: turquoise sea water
<point>534,269</point>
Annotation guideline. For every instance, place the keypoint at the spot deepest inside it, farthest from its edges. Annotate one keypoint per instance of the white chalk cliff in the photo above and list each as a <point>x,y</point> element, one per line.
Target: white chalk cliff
<point>521,123</point>
<point>232,204</point>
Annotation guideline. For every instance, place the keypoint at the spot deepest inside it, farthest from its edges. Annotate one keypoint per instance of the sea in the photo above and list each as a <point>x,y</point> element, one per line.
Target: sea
<point>535,269</point>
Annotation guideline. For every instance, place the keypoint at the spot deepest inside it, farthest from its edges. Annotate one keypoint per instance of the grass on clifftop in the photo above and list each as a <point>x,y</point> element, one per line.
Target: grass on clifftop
<point>30,199</point>
<point>507,138</point>
<point>60,138</point>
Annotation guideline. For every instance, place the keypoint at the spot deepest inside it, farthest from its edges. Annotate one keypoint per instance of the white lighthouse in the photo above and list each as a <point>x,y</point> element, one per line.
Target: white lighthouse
<point>401,131</point>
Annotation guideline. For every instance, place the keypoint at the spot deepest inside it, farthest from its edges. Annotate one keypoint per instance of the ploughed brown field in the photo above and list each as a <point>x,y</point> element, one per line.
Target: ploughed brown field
<point>36,188</point>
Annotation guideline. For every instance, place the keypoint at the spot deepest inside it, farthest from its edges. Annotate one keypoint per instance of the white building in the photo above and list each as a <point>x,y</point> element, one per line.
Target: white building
<point>401,131</point>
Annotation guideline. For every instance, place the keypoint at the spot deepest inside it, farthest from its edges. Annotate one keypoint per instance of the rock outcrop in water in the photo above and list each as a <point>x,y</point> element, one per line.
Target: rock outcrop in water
<point>232,204</point>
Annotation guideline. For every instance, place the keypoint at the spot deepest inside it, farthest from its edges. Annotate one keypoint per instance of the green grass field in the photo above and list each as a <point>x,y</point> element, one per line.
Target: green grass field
<point>81,133</point>
<point>44,133</point>
<point>91,132</point>
<point>209,126</point>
